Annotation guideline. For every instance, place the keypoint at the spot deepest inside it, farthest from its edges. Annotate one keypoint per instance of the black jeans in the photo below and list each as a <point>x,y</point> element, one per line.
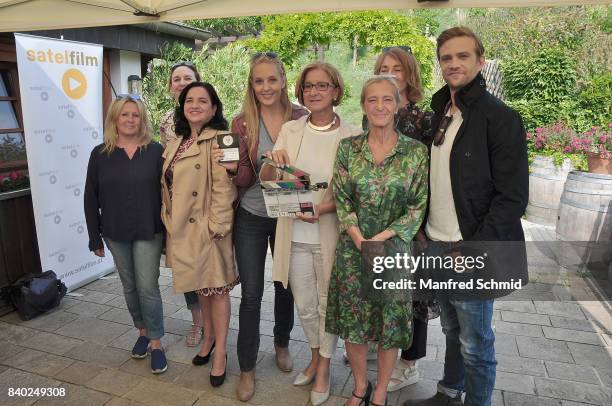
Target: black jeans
<point>419,341</point>
<point>252,234</point>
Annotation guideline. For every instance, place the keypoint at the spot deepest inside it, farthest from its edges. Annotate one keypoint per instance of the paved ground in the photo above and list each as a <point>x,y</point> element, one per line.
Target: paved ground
<point>549,353</point>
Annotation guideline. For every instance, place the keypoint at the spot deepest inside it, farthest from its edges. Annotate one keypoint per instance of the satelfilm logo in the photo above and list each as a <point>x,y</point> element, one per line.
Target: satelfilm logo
<point>59,255</point>
<point>73,149</point>
<point>47,133</point>
<point>43,92</point>
<point>52,175</point>
<point>94,132</point>
<point>79,226</point>
<point>68,108</point>
<point>55,215</point>
<point>75,187</point>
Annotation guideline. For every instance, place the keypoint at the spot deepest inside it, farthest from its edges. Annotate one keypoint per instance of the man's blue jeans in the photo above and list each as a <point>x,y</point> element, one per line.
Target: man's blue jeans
<point>469,364</point>
<point>138,265</point>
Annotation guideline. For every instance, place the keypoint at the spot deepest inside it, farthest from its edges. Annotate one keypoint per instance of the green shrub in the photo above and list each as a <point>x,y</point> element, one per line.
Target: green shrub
<point>594,106</point>
<point>548,74</point>
<point>227,70</point>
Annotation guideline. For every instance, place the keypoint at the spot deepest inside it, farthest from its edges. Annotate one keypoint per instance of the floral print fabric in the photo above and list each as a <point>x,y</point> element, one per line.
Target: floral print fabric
<point>392,195</point>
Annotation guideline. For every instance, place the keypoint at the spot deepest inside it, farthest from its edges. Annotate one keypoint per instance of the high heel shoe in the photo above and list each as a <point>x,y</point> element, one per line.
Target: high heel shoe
<point>302,379</point>
<point>318,398</point>
<point>365,399</point>
<point>198,360</point>
<point>217,380</point>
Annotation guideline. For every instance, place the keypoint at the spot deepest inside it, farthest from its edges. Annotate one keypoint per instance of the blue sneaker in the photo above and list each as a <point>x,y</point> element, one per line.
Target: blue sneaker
<point>140,348</point>
<point>158,361</point>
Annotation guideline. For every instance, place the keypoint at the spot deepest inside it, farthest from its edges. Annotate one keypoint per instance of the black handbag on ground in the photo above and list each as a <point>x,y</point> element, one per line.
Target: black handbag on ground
<point>33,295</point>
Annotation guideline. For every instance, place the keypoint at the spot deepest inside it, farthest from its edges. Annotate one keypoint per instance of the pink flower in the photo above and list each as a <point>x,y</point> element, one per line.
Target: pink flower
<point>539,130</point>
<point>13,175</point>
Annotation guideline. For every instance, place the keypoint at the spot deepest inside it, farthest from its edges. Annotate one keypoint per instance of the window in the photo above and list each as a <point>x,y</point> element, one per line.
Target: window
<point>12,142</point>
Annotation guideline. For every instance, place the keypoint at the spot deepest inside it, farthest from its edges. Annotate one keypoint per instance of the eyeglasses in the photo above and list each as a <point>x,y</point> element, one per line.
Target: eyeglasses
<point>182,63</point>
<point>320,86</point>
<point>402,47</point>
<point>441,132</point>
<point>269,54</point>
<point>128,96</point>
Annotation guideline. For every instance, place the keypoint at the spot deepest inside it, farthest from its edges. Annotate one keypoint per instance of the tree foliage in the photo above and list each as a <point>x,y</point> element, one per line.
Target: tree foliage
<point>227,70</point>
<point>230,25</point>
<point>290,35</point>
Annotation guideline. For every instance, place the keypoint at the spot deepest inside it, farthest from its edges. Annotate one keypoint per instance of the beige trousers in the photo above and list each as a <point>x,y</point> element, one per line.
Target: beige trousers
<point>309,284</point>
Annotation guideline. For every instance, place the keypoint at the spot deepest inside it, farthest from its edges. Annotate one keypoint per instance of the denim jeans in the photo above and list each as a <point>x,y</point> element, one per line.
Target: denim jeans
<point>252,235</point>
<point>138,265</point>
<point>469,364</point>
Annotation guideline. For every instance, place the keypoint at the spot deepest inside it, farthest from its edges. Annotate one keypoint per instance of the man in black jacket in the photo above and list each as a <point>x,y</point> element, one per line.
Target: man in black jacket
<point>478,192</point>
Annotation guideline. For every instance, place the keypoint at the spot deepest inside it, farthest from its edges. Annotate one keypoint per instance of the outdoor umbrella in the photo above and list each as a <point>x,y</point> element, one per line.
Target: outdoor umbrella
<point>31,15</point>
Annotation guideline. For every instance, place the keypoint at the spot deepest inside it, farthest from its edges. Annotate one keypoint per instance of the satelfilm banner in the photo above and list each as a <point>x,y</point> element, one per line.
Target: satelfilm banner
<point>61,97</point>
<point>509,270</point>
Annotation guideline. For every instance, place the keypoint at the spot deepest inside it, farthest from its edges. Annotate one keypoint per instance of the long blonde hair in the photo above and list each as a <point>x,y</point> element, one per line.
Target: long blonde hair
<point>250,107</point>
<point>110,124</point>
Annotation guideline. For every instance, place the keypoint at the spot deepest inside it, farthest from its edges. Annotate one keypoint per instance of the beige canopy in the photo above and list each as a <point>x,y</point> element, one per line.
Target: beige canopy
<point>31,15</point>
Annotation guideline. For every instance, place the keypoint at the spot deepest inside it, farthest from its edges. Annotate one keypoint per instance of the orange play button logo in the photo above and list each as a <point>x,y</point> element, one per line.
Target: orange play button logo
<point>74,84</point>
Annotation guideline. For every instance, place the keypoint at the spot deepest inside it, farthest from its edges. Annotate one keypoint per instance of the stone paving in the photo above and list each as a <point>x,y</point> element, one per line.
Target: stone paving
<point>548,353</point>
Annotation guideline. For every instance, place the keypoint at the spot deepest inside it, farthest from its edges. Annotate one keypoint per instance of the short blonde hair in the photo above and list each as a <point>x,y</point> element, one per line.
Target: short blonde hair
<point>412,72</point>
<point>332,72</point>
<point>455,32</point>
<point>379,79</point>
<point>110,124</point>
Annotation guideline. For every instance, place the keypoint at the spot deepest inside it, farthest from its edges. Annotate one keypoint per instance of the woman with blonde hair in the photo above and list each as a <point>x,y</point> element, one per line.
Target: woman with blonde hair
<point>122,205</point>
<point>380,183</point>
<point>181,74</point>
<point>305,245</point>
<point>266,108</point>
<point>415,123</point>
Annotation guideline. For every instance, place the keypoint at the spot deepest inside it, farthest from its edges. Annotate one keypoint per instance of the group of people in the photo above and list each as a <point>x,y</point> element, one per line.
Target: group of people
<point>459,173</point>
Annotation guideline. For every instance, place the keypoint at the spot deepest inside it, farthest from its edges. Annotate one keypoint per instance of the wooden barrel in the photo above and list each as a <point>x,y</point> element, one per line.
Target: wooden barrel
<point>546,182</point>
<point>585,220</point>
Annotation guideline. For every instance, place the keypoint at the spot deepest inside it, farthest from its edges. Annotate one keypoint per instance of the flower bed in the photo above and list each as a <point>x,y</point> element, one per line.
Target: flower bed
<point>14,181</point>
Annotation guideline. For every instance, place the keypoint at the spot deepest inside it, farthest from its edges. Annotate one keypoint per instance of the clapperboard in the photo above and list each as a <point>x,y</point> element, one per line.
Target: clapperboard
<point>286,197</point>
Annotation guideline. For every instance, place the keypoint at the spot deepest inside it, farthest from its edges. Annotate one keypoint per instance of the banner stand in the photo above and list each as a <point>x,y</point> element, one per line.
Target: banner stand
<point>61,97</point>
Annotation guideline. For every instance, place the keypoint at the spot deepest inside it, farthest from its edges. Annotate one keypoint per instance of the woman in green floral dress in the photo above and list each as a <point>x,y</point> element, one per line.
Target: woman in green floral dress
<point>380,183</point>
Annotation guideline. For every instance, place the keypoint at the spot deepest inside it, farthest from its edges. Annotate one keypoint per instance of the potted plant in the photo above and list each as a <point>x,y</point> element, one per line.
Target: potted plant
<point>596,144</point>
<point>556,143</point>
<point>551,158</point>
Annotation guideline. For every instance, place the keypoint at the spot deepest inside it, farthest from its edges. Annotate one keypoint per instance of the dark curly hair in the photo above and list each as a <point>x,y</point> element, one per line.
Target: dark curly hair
<point>217,122</point>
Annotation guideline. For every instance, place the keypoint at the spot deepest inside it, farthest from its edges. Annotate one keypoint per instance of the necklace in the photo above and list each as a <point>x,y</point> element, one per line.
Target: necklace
<point>321,128</point>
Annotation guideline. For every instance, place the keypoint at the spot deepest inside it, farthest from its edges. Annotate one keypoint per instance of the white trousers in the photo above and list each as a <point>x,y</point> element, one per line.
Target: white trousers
<point>309,284</point>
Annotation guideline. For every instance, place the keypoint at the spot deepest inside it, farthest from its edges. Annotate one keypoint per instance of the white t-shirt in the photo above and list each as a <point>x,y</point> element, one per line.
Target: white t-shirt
<point>442,223</point>
<point>316,157</point>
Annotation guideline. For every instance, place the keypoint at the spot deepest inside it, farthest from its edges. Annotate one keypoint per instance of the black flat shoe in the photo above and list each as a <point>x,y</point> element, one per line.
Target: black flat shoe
<point>198,360</point>
<point>217,380</point>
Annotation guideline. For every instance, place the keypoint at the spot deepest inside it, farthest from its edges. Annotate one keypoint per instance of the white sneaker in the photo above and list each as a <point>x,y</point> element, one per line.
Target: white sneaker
<point>372,354</point>
<point>405,375</point>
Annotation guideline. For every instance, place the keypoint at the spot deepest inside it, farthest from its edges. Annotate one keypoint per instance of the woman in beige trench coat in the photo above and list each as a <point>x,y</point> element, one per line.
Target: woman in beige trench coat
<point>197,196</point>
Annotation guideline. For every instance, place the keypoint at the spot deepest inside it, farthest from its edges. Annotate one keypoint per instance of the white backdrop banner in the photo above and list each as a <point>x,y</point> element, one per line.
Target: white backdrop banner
<point>61,98</point>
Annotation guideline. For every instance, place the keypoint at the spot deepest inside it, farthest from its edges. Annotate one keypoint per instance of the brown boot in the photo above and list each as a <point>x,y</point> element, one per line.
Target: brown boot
<point>283,359</point>
<point>246,387</point>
